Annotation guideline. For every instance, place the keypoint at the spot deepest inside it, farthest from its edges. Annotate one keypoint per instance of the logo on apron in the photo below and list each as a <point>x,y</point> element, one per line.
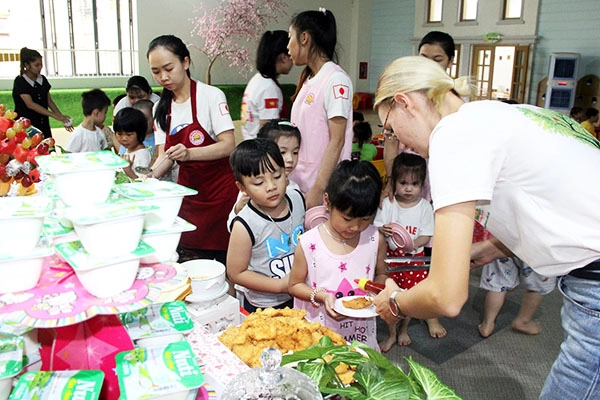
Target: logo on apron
<point>196,137</point>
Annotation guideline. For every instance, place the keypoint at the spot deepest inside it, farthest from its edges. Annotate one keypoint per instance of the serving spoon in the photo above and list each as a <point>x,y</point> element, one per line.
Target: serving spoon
<point>147,170</point>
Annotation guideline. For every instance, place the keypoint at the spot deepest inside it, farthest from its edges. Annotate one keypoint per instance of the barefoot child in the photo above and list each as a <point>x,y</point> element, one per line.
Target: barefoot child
<point>415,214</point>
<point>265,232</point>
<point>346,247</point>
<point>130,130</point>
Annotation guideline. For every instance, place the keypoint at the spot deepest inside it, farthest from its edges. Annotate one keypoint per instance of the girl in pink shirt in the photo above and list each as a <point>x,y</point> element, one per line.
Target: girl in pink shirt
<point>332,255</point>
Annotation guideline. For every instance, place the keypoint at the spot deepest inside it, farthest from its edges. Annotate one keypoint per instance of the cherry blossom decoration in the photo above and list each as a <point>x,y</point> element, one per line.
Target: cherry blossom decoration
<point>226,30</point>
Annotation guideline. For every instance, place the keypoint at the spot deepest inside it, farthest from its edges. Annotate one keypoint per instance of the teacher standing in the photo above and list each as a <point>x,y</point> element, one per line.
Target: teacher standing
<point>194,129</point>
<point>530,178</point>
<point>322,108</point>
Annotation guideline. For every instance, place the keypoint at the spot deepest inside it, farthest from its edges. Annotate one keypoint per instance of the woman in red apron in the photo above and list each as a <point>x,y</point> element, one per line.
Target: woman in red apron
<point>193,128</point>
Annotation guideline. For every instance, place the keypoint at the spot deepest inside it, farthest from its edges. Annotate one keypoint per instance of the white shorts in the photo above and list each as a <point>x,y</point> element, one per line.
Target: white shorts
<point>502,275</point>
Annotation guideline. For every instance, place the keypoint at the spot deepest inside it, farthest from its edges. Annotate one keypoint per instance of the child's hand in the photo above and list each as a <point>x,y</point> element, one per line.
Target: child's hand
<point>244,199</point>
<point>386,230</point>
<point>328,303</point>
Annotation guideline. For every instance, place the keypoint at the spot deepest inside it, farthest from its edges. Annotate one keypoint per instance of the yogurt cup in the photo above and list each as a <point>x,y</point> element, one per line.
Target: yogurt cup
<point>163,372</point>
<point>22,272</point>
<point>103,277</point>
<point>11,361</point>
<point>64,385</point>
<point>21,220</point>
<point>165,240</point>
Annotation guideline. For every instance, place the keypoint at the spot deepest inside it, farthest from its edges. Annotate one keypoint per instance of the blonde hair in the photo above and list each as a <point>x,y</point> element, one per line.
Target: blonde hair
<point>417,73</point>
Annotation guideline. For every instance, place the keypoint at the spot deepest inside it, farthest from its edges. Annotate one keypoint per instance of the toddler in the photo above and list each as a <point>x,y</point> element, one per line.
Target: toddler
<point>362,148</point>
<point>265,232</point>
<point>130,130</point>
<point>88,136</point>
<point>333,254</point>
<point>415,214</point>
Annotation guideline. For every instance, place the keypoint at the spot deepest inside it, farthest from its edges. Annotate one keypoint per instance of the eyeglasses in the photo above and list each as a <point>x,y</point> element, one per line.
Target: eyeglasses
<point>385,132</point>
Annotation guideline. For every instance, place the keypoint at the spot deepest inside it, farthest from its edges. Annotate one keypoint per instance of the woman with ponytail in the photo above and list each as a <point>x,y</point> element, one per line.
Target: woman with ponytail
<point>322,108</point>
<point>194,129</point>
<point>507,167</point>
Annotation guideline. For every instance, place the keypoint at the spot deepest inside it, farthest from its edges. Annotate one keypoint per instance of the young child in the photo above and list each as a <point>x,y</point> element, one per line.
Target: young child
<point>591,118</point>
<point>130,130</point>
<point>88,136</point>
<point>415,214</point>
<point>288,139</point>
<point>362,148</point>
<point>265,233</point>
<point>333,254</point>
<point>145,106</point>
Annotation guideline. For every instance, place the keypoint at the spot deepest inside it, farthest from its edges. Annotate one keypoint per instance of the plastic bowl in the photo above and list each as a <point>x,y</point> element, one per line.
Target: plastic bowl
<point>315,216</point>
<point>110,279</point>
<point>207,276</point>
<point>22,273</point>
<point>111,238</point>
<point>21,235</point>
<point>402,238</point>
<point>84,187</point>
<point>164,216</point>
<point>164,245</point>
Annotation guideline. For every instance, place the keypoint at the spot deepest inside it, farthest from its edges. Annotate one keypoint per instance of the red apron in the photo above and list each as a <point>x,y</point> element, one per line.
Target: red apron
<point>214,181</point>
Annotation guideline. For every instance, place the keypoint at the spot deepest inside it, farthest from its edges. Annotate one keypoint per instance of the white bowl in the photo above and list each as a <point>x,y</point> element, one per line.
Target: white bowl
<point>164,216</point>
<point>21,235</point>
<point>84,187</point>
<point>109,280</point>
<point>112,237</point>
<point>21,273</point>
<point>207,276</point>
<point>164,245</point>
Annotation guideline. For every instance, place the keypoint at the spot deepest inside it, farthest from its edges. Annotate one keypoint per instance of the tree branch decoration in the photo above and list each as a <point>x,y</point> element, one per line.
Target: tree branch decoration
<point>226,30</point>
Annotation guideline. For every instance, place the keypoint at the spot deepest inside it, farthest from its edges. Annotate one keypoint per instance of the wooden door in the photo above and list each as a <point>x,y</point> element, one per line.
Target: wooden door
<point>482,68</point>
<point>519,77</point>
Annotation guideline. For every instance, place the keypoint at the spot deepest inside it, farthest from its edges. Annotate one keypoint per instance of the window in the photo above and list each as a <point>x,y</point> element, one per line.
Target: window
<point>468,10</point>
<point>434,11</point>
<point>453,69</point>
<point>512,9</point>
<point>78,37</point>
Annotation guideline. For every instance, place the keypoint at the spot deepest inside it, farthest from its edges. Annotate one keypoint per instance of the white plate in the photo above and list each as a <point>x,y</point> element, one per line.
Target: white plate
<point>198,298</point>
<point>366,312</point>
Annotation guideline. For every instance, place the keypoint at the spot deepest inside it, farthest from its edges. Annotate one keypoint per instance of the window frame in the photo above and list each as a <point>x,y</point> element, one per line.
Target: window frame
<point>428,11</point>
<point>462,9</point>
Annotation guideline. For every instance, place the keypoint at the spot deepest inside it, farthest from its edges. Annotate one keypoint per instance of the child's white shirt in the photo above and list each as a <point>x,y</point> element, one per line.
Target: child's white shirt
<point>141,158</point>
<point>83,140</point>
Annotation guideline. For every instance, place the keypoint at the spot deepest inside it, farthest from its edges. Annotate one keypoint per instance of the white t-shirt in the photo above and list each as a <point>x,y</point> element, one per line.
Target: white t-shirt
<point>262,99</point>
<point>124,102</point>
<point>417,220</point>
<point>141,158</point>
<point>83,140</point>
<point>535,180</point>
<point>212,113</point>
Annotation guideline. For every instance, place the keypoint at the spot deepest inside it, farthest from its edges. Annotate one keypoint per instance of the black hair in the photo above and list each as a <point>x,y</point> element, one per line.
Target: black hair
<point>276,128</point>
<point>144,104</point>
<point>575,110</point>
<point>118,98</point>
<point>591,112</point>
<point>178,48</point>
<point>354,188</point>
<point>251,158</point>
<point>408,164</point>
<point>94,99</point>
<point>357,116</point>
<point>271,45</point>
<point>129,119</point>
<point>322,28</point>
<point>442,39</point>
<point>362,133</point>
<point>27,56</point>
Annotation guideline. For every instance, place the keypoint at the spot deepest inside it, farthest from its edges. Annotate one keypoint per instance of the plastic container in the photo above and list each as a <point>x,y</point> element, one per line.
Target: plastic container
<point>82,178</point>
<point>168,372</point>
<point>165,240</point>
<point>109,230</point>
<point>315,216</point>
<point>21,221</point>
<point>166,196</point>
<point>103,277</point>
<point>369,286</point>
<point>401,238</point>
<point>64,385</point>
<point>11,362</point>
<point>158,324</point>
<point>22,272</point>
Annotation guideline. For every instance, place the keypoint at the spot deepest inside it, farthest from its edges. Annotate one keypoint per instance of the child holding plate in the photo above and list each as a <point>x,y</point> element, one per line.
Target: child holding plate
<point>333,254</point>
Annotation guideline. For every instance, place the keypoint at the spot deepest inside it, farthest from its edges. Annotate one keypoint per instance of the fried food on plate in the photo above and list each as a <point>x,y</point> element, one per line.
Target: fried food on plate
<point>286,330</point>
<point>357,303</point>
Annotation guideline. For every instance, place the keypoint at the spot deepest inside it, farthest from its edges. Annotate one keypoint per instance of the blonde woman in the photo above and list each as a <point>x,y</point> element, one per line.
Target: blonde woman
<point>504,165</point>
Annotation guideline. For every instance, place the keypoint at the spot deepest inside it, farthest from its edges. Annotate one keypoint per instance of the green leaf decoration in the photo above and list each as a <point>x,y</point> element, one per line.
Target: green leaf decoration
<point>431,384</point>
